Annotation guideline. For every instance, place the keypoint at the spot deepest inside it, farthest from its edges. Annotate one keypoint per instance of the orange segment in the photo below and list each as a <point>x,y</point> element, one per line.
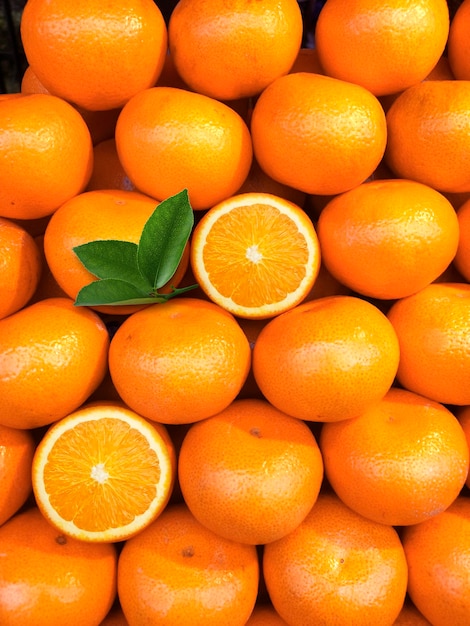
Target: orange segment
<point>103,473</point>
<point>255,254</point>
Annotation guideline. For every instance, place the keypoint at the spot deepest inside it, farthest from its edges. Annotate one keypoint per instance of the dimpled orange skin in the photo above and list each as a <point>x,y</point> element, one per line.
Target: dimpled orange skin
<point>176,572</point>
<point>261,485</point>
<point>462,256</point>
<point>356,567</point>
<point>46,154</point>
<point>16,459</point>
<point>458,45</point>
<point>399,463</point>
<point>463,415</point>
<point>432,329</point>
<point>52,357</point>
<point>169,139</point>
<point>46,578</point>
<point>438,555</point>
<point>179,362</point>
<point>318,134</point>
<point>327,359</point>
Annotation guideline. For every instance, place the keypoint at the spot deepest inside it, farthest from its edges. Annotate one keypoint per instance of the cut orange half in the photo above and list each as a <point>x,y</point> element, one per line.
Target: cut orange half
<point>255,254</point>
<point>103,473</point>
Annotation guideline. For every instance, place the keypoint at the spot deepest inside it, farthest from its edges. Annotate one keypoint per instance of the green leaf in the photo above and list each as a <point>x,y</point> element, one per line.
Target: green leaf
<point>164,238</point>
<point>111,291</point>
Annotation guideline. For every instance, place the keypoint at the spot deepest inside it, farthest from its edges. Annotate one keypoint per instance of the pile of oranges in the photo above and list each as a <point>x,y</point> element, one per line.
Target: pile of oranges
<point>287,441</point>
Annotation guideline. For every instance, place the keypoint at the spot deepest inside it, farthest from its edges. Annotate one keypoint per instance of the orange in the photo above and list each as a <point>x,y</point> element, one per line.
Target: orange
<point>108,172</point>
<point>336,567</point>
<point>234,49</point>
<point>30,83</point>
<point>16,458</point>
<point>307,61</point>
<point>118,476</point>
<point>388,238</point>
<point>438,555</point>
<point>103,56</point>
<point>170,139</point>
<point>410,616</point>
<point>20,267</point>
<point>318,134</point>
<point>250,473</point>
<point>383,46</point>
<point>46,154</point>
<point>462,256</point>
<point>48,578</point>
<point>327,359</point>
<point>463,415</point>
<point>432,329</point>
<point>177,572</point>
<point>258,181</point>
<point>179,362</point>
<point>115,618</point>
<point>90,216</point>
<point>52,357</point>
<point>429,134</point>
<point>265,615</point>
<point>402,461</point>
<point>47,286</point>
<point>458,45</point>
<point>255,254</point>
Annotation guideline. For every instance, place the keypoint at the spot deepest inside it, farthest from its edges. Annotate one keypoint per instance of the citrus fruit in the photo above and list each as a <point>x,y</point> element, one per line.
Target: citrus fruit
<point>383,46</point>
<point>46,154</point>
<point>93,55</point>
<point>176,571</point>
<point>429,134</point>
<point>118,476</point>
<point>357,568</point>
<point>250,473</point>
<point>463,415</point>
<point>432,329</point>
<point>458,44</point>
<point>170,139</point>
<point>410,616</point>
<point>255,254</point>
<point>20,267</point>
<point>16,458</point>
<point>388,238</point>
<point>180,361</point>
<point>402,461</point>
<point>327,359</point>
<point>266,35</point>
<point>438,555</point>
<point>47,578</point>
<point>462,256</point>
<point>318,134</point>
<point>265,615</point>
<point>53,355</point>
<point>108,172</point>
<point>258,181</point>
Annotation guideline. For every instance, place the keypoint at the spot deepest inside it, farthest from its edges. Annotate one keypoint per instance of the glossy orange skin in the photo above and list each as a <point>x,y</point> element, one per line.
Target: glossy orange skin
<point>356,567</point>
<point>410,616</point>
<point>16,458</point>
<point>463,415</point>
<point>458,46</point>
<point>108,172</point>
<point>250,473</point>
<point>52,357</point>
<point>318,134</point>
<point>432,330</point>
<point>327,359</point>
<point>178,572</point>
<point>46,578</point>
<point>462,256</point>
<point>46,152</point>
<point>401,462</point>
<point>438,555</point>
<point>371,42</point>
<point>180,361</point>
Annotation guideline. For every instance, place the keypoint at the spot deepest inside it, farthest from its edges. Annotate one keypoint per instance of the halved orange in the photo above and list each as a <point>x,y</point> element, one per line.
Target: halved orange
<point>255,254</point>
<point>103,473</point>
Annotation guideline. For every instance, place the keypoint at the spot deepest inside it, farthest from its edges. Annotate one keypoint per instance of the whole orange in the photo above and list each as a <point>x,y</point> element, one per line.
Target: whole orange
<point>458,45</point>
<point>383,46</point>
<point>388,238</point>
<point>47,578</point>
<point>336,567</point>
<point>438,556</point>
<point>327,359</point>
<point>20,267</point>
<point>250,473</point>
<point>318,134</point>
<point>46,154</point>
<point>176,572</point>
<point>234,49</point>
<point>16,458</point>
<point>170,139</point>
<point>432,329</point>
<point>94,55</point>
<point>429,134</point>
<point>179,362</point>
<point>52,357</point>
<point>401,462</point>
